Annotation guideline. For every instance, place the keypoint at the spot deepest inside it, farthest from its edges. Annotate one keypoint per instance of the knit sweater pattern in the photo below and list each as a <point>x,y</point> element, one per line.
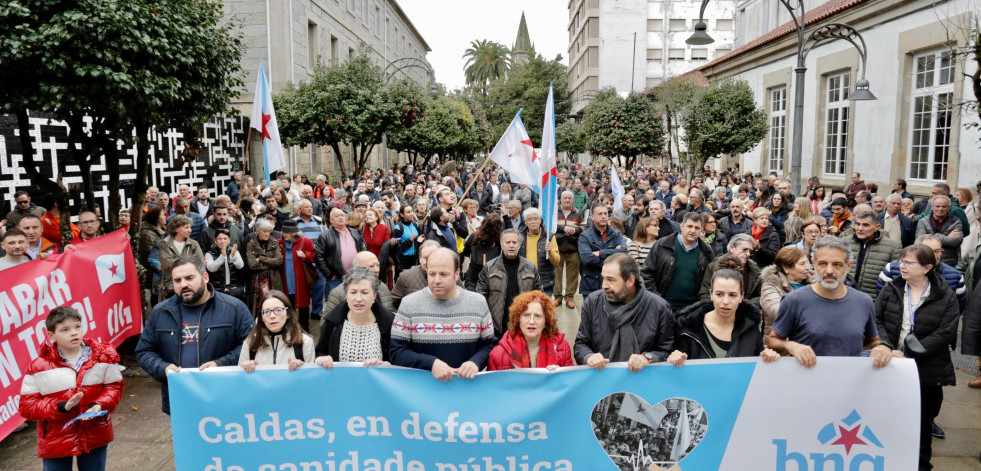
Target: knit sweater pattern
<point>456,331</point>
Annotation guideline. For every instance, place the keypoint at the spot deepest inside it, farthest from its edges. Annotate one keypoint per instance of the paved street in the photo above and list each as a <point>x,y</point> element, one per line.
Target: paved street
<point>143,439</point>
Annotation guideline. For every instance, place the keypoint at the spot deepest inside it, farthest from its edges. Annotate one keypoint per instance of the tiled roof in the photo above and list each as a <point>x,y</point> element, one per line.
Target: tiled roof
<point>817,14</point>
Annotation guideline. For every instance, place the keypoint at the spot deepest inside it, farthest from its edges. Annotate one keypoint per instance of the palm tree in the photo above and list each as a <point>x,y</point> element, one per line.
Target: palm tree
<point>486,61</point>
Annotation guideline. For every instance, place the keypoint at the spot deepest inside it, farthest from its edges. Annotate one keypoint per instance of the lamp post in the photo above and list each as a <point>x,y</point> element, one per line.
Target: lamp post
<point>400,65</point>
<point>822,35</point>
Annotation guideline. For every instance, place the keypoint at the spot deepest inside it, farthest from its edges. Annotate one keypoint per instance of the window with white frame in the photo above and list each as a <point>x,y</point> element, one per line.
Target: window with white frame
<point>778,128</point>
<point>932,94</point>
<point>836,124</point>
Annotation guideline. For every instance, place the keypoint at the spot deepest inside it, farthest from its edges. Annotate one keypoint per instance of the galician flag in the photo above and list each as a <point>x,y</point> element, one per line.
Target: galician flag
<point>264,121</point>
<point>547,167</point>
<point>616,187</point>
<point>515,154</point>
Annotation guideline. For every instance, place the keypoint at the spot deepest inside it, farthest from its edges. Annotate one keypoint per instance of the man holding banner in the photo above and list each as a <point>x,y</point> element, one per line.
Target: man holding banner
<point>196,328</point>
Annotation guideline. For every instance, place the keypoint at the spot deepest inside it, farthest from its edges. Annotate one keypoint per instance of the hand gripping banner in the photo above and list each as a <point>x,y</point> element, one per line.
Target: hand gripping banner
<point>707,415</point>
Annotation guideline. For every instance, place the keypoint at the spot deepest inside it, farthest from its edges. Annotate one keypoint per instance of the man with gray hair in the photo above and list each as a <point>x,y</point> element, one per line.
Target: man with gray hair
<point>513,220</point>
<point>505,277</point>
<point>697,202</point>
<point>364,260</point>
<point>537,248</point>
<point>897,226</point>
<point>826,318</point>
<point>567,231</point>
<point>665,226</point>
<point>948,229</point>
<point>872,250</point>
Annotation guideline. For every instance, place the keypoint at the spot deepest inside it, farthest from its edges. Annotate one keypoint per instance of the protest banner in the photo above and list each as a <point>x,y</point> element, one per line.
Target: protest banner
<point>719,414</point>
<point>98,278</point>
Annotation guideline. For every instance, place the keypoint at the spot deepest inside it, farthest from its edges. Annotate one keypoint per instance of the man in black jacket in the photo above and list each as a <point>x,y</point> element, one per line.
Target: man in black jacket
<point>675,266</point>
<point>336,248</point>
<point>624,322</point>
<point>219,220</point>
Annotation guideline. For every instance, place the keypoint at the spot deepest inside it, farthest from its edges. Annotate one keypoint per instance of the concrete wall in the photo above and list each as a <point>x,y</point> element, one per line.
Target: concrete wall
<point>661,44</point>
<point>293,30</point>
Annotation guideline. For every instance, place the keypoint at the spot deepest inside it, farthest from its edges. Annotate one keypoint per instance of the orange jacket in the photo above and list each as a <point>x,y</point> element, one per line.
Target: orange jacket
<point>51,231</point>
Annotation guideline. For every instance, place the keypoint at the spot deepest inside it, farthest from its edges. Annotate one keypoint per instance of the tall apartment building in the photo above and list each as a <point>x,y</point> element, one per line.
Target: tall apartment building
<point>635,44</point>
<point>294,35</point>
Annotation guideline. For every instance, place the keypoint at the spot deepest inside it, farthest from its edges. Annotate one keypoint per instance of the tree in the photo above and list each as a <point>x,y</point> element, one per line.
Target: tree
<point>125,66</point>
<point>449,128</point>
<point>623,128</point>
<point>724,121</point>
<point>487,61</point>
<point>526,87</point>
<point>348,103</point>
<point>570,137</point>
<point>676,98</point>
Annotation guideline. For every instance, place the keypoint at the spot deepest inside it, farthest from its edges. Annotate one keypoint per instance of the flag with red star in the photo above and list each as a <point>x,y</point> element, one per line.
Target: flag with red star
<point>264,121</point>
<point>516,154</point>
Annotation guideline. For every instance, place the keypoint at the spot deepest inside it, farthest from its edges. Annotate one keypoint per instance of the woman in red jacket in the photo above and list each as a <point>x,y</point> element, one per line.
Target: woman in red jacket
<point>70,376</point>
<point>297,251</point>
<point>533,339</point>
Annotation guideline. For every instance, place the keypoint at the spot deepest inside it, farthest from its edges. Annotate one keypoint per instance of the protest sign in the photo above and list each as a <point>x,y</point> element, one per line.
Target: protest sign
<point>707,415</point>
<point>98,278</point>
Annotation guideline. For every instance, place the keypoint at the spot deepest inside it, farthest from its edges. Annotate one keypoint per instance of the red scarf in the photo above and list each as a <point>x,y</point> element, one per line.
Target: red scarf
<point>758,231</point>
<point>518,351</point>
<point>844,217</point>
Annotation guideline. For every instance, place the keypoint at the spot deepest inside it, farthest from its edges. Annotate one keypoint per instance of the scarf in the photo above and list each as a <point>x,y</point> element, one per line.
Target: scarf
<point>519,356</point>
<point>839,221</point>
<point>512,290</point>
<point>757,231</point>
<point>620,318</point>
<point>710,238</point>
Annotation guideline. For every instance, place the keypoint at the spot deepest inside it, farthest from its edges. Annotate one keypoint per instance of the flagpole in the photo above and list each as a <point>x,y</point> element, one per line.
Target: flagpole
<point>479,170</point>
<point>248,140</point>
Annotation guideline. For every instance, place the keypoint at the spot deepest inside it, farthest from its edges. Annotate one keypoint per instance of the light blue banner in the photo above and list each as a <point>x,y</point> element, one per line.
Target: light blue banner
<point>391,419</point>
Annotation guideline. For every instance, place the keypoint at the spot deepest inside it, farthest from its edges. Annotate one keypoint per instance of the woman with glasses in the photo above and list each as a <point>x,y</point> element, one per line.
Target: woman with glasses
<point>532,339</point>
<point>791,270</point>
<point>277,338</point>
<point>360,329</point>
<point>811,231</point>
<point>712,235</point>
<point>917,316</point>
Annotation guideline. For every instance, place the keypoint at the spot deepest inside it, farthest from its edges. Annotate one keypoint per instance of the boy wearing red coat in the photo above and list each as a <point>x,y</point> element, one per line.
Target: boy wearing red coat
<point>71,375</point>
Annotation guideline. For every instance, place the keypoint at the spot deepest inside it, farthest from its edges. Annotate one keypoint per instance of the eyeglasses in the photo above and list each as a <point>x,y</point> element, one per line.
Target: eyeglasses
<point>710,222</point>
<point>279,311</point>
<point>908,263</point>
<point>812,232</point>
<point>24,202</point>
<point>528,315</point>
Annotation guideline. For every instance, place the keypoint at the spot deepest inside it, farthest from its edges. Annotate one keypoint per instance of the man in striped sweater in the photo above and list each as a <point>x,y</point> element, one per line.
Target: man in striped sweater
<point>443,329</point>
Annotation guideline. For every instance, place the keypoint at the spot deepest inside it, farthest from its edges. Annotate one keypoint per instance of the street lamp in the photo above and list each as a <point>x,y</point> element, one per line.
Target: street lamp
<point>400,65</point>
<point>823,34</point>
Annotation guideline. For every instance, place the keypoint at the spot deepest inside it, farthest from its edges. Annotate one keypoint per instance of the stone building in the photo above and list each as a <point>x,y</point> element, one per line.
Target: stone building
<point>632,45</point>
<point>916,130</point>
<point>294,35</point>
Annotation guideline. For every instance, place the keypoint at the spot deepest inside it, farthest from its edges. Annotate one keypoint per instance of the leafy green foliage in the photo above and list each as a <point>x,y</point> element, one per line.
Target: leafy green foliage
<point>526,87</point>
<point>623,127</point>
<point>570,137</point>
<point>450,128</point>
<point>676,98</point>
<point>487,61</point>
<point>348,103</point>
<point>725,120</point>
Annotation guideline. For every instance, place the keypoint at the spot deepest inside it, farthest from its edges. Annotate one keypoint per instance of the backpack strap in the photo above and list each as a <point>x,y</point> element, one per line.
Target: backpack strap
<point>298,351</point>
<point>251,355</point>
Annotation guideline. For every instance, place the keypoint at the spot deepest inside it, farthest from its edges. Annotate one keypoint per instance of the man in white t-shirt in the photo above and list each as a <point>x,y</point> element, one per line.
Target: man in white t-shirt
<point>14,244</point>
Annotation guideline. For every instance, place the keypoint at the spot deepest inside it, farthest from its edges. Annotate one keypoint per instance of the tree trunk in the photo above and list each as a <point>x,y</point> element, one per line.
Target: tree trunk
<point>56,189</point>
<point>340,158</point>
<point>671,135</point>
<point>142,183</point>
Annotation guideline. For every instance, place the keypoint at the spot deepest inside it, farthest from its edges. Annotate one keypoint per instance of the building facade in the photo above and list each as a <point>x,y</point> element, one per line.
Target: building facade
<point>296,35</point>
<point>916,129</point>
<point>632,45</point>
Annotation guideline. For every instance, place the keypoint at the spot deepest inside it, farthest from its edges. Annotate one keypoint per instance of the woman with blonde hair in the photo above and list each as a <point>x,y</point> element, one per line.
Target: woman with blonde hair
<point>767,241</point>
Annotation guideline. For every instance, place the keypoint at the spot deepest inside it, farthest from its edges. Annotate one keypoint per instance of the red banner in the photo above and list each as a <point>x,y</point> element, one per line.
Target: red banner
<point>98,279</point>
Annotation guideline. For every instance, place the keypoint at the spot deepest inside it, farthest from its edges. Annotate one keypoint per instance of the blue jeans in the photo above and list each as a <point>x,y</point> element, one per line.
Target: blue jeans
<point>94,460</point>
<point>317,296</point>
<point>329,285</point>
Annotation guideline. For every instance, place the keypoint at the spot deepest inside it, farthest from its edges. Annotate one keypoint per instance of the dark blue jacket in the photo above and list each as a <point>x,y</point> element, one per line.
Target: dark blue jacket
<point>906,225</point>
<point>954,279</point>
<point>225,323</point>
<point>664,197</point>
<point>591,266</point>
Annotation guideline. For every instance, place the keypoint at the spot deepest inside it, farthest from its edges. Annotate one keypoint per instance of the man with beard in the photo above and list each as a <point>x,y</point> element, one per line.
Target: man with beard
<point>211,326</point>
<point>219,220</point>
<point>826,318</point>
<point>624,321</point>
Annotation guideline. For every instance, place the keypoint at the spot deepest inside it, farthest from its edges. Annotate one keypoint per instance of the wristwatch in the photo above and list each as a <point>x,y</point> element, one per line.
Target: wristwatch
<point>649,356</point>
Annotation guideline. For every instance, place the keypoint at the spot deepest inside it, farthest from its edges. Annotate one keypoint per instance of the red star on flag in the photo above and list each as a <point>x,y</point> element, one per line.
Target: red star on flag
<point>113,269</point>
<point>265,129</point>
<point>849,438</point>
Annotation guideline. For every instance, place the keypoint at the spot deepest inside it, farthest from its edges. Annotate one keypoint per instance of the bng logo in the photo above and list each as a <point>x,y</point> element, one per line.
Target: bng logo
<point>851,434</point>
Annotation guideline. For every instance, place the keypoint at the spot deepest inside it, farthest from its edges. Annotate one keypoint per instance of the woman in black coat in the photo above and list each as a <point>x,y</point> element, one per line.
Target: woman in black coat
<point>767,238</point>
<point>725,327</point>
<point>370,324</point>
<point>919,306</point>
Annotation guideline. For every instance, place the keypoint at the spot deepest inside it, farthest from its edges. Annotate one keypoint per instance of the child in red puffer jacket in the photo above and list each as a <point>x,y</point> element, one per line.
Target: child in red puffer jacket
<point>71,375</point>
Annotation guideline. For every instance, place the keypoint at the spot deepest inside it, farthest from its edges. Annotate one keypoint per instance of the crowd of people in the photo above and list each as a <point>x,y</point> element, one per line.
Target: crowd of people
<point>727,264</point>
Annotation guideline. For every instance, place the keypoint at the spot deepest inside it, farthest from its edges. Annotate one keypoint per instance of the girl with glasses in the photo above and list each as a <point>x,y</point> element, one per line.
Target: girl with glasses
<point>276,338</point>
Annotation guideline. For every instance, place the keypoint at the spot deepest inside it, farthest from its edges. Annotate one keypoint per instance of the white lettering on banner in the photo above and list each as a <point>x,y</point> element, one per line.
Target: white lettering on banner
<point>9,408</point>
<point>31,301</point>
<point>8,365</point>
<point>212,430</point>
<point>397,463</point>
<point>490,432</point>
<point>119,316</point>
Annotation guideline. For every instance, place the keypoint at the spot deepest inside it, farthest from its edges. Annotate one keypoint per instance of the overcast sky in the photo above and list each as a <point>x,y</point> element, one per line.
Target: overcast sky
<point>448,26</point>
